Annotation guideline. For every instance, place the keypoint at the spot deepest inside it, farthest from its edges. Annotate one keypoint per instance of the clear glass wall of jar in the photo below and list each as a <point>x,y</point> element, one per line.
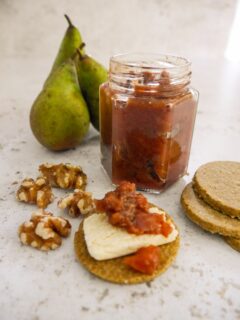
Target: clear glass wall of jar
<point>147,114</point>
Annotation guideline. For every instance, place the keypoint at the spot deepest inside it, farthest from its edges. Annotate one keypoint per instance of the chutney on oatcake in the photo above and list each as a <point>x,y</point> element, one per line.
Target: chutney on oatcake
<point>114,270</point>
<point>126,240</point>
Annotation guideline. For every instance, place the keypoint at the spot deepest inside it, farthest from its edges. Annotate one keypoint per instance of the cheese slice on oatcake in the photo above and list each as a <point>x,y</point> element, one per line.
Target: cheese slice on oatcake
<point>105,241</point>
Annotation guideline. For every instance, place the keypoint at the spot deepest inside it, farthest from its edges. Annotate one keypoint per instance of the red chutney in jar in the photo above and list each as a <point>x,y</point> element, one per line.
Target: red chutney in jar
<point>129,210</point>
<point>146,121</point>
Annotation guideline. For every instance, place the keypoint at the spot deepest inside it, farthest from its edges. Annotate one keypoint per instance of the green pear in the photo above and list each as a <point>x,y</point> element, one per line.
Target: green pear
<point>59,117</point>
<point>70,42</point>
<point>91,74</point>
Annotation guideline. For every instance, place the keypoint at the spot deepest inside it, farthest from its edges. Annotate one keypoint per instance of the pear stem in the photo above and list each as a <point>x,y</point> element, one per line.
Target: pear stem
<point>81,56</point>
<point>68,20</point>
<point>82,45</point>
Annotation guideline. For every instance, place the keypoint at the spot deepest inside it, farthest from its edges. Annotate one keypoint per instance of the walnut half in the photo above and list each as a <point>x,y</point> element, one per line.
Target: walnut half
<point>44,231</point>
<point>65,176</point>
<point>79,202</point>
<point>38,191</point>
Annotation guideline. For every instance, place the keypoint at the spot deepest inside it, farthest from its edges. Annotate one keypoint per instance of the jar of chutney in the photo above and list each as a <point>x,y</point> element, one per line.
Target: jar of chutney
<point>147,115</point>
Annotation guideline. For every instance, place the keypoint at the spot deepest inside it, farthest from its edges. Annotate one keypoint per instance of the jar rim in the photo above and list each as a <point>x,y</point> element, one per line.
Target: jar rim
<point>150,61</point>
<point>157,74</point>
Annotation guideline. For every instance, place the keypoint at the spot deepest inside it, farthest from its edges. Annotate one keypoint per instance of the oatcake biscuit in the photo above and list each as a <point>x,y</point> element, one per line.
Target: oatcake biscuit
<point>114,270</point>
<point>206,217</point>
<point>233,242</point>
<point>218,184</point>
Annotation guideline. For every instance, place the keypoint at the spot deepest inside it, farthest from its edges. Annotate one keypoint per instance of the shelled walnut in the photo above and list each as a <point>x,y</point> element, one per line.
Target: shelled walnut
<point>79,202</point>
<point>65,176</point>
<point>44,231</point>
<point>37,191</point>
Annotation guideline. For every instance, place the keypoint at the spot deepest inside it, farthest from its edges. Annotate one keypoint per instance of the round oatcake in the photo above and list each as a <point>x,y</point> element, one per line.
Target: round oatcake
<point>218,184</point>
<point>114,270</point>
<point>233,242</point>
<point>206,217</point>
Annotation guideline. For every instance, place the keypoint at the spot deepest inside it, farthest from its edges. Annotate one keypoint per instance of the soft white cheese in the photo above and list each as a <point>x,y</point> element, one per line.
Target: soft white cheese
<point>105,241</point>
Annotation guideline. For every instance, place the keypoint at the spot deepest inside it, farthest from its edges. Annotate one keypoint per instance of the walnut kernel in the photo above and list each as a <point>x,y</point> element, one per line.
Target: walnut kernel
<point>79,202</point>
<point>38,192</point>
<point>65,176</point>
<point>44,231</point>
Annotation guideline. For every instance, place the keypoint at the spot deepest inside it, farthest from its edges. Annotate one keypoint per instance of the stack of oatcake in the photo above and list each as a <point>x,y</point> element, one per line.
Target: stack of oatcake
<point>212,200</point>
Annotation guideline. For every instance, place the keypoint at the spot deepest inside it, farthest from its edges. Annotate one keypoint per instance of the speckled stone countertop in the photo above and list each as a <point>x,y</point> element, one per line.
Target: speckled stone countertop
<point>204,281</point>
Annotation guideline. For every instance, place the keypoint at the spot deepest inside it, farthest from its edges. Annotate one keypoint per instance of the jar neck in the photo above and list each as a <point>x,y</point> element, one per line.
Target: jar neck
<point>149,75</point>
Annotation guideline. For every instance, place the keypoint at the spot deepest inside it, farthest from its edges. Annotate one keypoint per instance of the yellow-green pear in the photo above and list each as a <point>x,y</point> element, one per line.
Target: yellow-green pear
<point>59,116</point>
<point>91,74</point>
<point>70,42</point>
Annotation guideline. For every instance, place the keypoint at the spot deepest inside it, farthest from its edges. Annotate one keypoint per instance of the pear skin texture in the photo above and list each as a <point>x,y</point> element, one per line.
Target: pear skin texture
<point>59,117</point>
<point>70,42</point>
<point>91,75</point>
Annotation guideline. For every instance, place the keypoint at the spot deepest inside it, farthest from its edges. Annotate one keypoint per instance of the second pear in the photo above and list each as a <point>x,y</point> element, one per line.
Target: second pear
<point>91,75</point>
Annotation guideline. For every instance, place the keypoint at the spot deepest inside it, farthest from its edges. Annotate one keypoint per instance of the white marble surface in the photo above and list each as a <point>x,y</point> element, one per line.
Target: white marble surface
<point>204,282</point>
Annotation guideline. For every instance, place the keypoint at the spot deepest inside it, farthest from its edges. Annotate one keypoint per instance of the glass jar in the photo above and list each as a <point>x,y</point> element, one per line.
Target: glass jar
<point>147,114</point>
